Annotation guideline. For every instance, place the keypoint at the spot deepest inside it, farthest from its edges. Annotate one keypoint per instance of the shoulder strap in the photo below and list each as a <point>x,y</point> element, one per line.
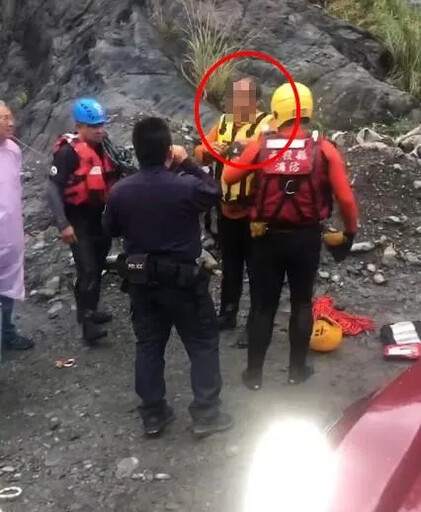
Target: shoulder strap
<point>222,125</point>
<point>252,127</point>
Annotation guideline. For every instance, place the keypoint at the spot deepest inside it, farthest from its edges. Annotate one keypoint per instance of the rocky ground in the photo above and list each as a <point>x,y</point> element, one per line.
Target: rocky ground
<point>67,436</point>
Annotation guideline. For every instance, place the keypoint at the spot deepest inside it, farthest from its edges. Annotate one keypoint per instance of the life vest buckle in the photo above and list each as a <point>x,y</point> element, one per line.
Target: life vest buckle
<point>290,187</point>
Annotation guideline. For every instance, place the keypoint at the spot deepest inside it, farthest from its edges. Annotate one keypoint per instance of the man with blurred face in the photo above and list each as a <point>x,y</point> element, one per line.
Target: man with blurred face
<point>80,180</point>
<point>241,122</point>
<point>11,233</point>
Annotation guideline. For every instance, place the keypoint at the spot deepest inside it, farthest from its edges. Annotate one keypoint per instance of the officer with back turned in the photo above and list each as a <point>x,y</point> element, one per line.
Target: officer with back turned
<point>157,212</point>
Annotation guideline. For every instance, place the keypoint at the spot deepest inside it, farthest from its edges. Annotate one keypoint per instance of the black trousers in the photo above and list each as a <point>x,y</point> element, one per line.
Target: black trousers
<point>296,255</point>
<point>192,312</point>
<point>234,240</point>
<point>90,253</point>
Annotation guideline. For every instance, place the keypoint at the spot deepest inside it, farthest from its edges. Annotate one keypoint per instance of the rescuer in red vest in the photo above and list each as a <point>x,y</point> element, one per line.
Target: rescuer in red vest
<point>292,196</point>
<point>80,180</point>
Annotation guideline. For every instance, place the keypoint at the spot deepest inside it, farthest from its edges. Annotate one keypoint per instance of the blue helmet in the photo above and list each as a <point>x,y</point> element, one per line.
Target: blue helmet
<point>89,111</point>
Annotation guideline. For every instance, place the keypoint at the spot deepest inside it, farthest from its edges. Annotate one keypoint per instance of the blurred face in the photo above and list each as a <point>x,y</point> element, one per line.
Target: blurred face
<point>242,101</point>
<point>91,134</point>
<point>7,123</point>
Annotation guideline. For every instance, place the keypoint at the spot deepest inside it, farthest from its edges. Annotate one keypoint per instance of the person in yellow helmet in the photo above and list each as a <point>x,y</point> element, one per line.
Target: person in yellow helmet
<point>241,122</point>
<point>292,196</point>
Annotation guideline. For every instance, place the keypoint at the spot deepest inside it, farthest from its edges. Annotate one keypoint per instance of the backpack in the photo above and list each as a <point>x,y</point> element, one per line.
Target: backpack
<point>294,190</point>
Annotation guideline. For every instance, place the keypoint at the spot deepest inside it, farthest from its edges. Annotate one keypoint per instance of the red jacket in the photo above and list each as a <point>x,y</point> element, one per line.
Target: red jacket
<point>335,174</point>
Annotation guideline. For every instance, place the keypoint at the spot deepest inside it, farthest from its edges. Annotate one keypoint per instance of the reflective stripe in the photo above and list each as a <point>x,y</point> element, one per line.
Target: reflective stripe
<point>281,143</point>
<point>405,332</point>
<point>95,170</point>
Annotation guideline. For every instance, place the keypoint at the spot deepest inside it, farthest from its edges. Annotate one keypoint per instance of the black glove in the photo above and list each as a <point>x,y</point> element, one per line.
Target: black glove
<point>340,252</point>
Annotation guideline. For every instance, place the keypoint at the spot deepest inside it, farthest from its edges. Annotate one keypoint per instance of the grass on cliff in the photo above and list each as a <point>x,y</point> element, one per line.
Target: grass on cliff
<point>206,37</point>
<point>398,24</point>
<point>206,42</point>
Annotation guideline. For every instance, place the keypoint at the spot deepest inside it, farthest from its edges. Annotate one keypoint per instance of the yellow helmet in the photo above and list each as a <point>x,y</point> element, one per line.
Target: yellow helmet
<point>283,103</point>
<point>327,335</point>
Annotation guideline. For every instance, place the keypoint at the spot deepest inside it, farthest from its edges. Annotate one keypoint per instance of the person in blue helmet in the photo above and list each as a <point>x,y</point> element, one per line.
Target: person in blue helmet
<point>80,179</point>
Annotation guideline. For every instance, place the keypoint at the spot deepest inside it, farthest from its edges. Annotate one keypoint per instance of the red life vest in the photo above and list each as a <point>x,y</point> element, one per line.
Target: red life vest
<point>93,179</point>
<point>293,190</point>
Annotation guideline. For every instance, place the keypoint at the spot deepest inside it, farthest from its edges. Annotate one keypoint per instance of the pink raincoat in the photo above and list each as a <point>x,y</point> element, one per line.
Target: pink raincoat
<point>12,241</point>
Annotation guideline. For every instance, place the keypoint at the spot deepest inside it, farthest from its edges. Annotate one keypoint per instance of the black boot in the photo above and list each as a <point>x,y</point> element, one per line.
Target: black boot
<point>252,379</point>
<point>227,318</point>
<point>299,374</point>
<point>206,427</point>
<point>154,425</point>
<point>91,331</point>
<point>226,322</point>
<point>101,317</point>
<point>243,341</point>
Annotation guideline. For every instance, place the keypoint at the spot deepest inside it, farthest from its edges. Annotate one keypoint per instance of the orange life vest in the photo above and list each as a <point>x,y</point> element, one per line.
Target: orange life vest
<point>93,179</point>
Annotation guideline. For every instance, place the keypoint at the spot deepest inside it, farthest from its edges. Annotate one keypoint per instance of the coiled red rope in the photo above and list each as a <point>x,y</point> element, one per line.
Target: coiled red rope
<point>352,325</point>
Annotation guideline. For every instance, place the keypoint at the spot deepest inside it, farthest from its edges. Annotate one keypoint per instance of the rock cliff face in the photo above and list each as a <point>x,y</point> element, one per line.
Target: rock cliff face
<point>53,51</point>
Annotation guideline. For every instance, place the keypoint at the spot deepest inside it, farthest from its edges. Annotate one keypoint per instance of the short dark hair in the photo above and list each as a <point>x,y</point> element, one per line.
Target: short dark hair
<point>151,141</point>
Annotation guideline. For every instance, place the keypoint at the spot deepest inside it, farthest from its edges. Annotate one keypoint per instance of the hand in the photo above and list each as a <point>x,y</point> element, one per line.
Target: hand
<point>179,154</point>
<point>68,236</point>
<point>220,148</point>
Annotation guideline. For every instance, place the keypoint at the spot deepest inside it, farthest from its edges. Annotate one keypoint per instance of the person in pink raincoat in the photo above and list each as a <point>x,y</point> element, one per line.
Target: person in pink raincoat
<point>12,241</point>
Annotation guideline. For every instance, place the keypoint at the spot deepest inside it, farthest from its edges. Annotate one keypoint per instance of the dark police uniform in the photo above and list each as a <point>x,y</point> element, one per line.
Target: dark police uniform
<point>157,212</point>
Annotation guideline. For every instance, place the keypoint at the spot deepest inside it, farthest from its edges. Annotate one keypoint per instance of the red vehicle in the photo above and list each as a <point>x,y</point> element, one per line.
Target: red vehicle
<point>378,443</point>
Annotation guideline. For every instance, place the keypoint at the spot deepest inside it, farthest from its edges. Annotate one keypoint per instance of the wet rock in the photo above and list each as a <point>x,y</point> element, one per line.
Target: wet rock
<point>125,467</point>
<point>389,256</point>
<point>53,456</point>
<point>366,135</point>
<point>336,278</point>
<point>51,288</point>
<point>379,278</point>
<point>344,139</point>
<point>397,220</point>
<point>371,268</point>
<point>360,247</point>
<point>39,246</point>
<point>412,258</point>
<point>7,469</point>
<point>208,261</point>
<point>162,476</point>
<point>46,294</point>
<point>54,423</point>
<point>55,309</point>
<point>410,140</point>
<point>324,274</point>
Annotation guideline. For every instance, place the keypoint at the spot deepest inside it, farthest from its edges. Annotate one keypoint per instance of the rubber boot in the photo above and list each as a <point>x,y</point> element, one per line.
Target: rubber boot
<point>252,379</point>
<point>91,331</point>
<point>101,317</point>
<point>299,374</point>
<point>227,318</point>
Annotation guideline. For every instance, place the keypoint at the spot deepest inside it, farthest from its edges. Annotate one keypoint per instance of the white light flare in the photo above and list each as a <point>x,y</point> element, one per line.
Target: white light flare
<point>293,470</point>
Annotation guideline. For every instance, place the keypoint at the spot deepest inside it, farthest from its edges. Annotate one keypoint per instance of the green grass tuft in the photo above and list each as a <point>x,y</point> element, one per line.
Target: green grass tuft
<point>398,24</point>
